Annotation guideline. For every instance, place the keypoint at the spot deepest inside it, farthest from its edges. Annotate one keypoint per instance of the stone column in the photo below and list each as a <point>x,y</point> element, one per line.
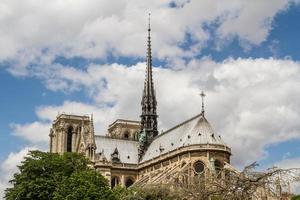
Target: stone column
<point>63,141</point>
<point>51,140</point>
<point>123,180</point>
<point>73,141</point>
<point>56,140</point>
<point>59,141</point>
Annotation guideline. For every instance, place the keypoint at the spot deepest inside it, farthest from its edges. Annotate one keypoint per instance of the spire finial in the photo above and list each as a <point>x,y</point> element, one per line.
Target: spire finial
<point>202,94</point>
<point>149,27</point>
<point>149,56</point>
<point>92,123</point>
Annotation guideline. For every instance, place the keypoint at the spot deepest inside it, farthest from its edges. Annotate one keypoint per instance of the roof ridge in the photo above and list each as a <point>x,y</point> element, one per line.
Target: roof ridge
<point>124,120</point>
<point>104,136</point>
<point>178,125</point>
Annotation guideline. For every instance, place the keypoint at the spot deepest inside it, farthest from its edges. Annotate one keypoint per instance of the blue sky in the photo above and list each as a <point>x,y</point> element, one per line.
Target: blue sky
<point>49,69</point>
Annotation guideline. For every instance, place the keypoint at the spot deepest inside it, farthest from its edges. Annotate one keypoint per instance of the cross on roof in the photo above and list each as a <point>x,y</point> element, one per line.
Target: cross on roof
<point>149,15</point>
<point>202,94</point>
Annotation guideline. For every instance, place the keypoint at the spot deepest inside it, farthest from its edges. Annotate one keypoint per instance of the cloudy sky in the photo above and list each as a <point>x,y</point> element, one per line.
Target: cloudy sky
<point>84,57</point>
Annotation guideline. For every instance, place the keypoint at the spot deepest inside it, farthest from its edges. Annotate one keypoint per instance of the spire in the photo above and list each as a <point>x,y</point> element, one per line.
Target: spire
<point>91,135</point>
<point>91,145</point>
<point>149,116</point>
<point>149,82</point>
<point>202,94</point>
<point>92,130</point>
<point>149,57</point>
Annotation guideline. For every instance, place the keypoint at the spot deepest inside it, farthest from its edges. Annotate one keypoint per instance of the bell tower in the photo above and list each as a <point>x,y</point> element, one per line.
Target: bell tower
<point>73,133</point>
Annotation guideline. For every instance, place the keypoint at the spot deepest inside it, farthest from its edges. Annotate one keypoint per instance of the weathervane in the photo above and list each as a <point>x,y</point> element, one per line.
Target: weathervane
<point>202,94</point>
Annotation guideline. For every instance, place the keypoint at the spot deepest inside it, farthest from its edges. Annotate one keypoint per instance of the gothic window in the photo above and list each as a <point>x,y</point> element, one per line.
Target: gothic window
<point>69,139</point>
<point>129,182</point>
<point>115,181</point>
<point>126,135</point>
<point>198,167</point>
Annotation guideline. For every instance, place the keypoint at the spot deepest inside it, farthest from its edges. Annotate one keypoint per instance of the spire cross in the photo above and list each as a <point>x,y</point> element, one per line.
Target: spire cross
<point>202,94</point>
<point>149,15</point>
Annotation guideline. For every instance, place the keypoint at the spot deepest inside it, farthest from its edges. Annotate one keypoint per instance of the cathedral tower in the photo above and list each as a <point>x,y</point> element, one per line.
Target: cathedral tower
<point>149,103</point>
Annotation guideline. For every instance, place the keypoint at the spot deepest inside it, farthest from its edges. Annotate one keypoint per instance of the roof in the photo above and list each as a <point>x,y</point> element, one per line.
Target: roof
<point>71,116</point>
<point>128,149</point>
<point>196,130</point>
<point>125,121</point>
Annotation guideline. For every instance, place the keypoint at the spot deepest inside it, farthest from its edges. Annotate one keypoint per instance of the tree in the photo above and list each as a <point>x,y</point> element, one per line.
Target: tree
<point>42,174</point>
<point>296,197</point>
<point>84,185</point>
<point>224,184</point>
<point>245,185</point>
<point>150,192</point>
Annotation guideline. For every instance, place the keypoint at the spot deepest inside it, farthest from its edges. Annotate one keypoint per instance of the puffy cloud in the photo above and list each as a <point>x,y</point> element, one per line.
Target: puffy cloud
<point>9,166</point>
<point>36,132</point>
<point>289,163</point>
<point>252,103</point>
<point>35,32</point>
<point>260,104</point>
<point>247,17</point>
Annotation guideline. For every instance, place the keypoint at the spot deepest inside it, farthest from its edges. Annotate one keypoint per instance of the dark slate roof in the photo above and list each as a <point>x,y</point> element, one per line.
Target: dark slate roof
<point>128,149</point>
<point>196,130</point>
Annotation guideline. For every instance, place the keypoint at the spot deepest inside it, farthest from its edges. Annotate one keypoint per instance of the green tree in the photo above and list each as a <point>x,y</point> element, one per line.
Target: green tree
<point>296,197</point>
<point>41,174</point>
<point>151,192</point>
<point>84,185</point>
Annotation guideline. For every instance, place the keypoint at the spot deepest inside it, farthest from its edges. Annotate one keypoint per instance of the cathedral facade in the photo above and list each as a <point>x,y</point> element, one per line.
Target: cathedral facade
<point>132,152</point>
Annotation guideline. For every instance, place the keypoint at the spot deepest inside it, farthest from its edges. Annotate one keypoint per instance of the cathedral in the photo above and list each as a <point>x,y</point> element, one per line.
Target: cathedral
<point>133,152</point>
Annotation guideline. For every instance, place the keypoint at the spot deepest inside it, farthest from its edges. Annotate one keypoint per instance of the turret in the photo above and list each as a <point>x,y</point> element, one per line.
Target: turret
<point>91,144</point>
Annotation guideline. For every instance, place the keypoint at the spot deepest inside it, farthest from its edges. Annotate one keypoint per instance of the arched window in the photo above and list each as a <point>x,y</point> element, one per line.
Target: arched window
<point>126,135</point>
<point>115,181</point>
<point>69,139</point>
<point>129,182</point>
<point>198,167</point>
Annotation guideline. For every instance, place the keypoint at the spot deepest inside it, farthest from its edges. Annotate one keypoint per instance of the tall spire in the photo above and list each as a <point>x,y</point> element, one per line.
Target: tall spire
<point>149,116</point>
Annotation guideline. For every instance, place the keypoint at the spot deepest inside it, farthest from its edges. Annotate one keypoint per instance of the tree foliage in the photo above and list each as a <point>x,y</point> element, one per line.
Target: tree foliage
<point>150,192</point>
<point>296,197</point>
<point>46,176</point>
<point>83,185</point>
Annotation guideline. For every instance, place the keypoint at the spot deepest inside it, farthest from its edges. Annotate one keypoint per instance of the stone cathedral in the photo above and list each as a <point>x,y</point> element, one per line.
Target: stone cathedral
<point>132,152</point>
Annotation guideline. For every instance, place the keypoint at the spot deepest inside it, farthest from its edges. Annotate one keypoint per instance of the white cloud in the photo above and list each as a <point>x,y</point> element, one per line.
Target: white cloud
<point>35,32</point>
<point>247,17</point>
<point>36,132</point>
<point>252,103</point>
<point>9,166</point>
<point>289,163</point>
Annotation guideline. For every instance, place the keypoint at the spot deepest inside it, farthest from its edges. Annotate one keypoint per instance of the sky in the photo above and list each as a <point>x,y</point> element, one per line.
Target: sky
<point>84,57</point>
